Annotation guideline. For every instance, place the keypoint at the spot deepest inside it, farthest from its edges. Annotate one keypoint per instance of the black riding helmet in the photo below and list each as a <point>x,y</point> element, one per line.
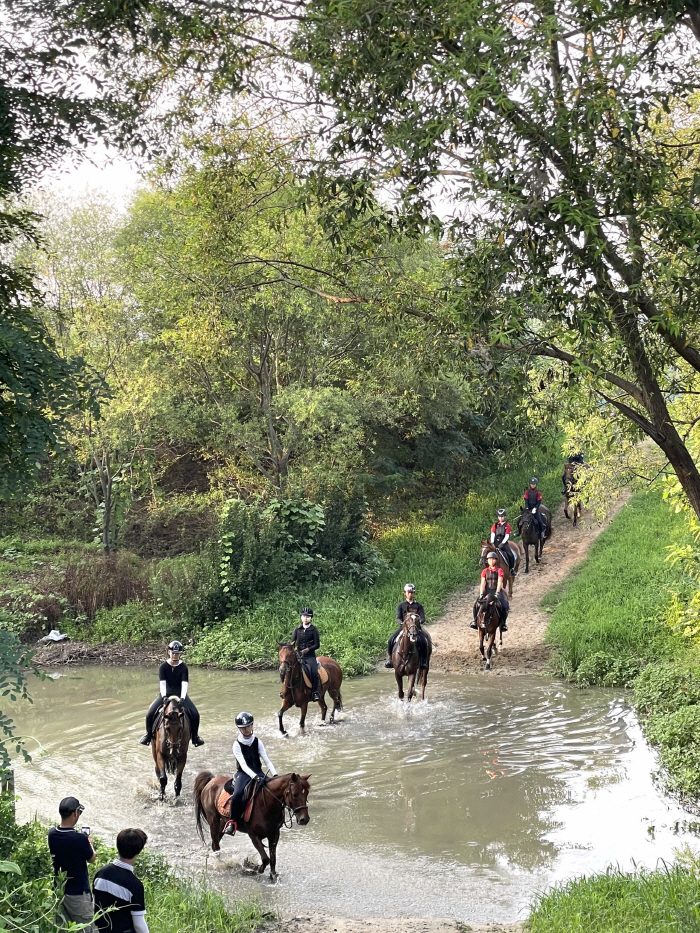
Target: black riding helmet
<point>306,611</point>
<point>501,513</point>
<point>176,646</point>
<point>244,719</point>
<point>492,554</point>
<point>533,481</point>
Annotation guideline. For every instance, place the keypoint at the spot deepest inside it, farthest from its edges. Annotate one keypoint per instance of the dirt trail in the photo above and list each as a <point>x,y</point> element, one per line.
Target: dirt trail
<point>457,651</point>
<point>524,651</point>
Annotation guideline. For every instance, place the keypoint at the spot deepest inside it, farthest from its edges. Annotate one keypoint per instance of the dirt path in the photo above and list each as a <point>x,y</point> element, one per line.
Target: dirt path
<point>318,923</point>
<point>524,651</point>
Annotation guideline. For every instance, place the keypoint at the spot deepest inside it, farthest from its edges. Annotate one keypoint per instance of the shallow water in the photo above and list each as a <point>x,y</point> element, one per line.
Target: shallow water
<point>463,806</point>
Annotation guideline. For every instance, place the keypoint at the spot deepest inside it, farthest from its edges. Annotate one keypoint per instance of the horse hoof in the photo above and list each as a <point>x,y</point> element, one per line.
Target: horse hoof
<point>273,878</point>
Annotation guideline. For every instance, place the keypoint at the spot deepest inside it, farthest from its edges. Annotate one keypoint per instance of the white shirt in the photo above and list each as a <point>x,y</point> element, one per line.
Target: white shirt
<point>238,755</point>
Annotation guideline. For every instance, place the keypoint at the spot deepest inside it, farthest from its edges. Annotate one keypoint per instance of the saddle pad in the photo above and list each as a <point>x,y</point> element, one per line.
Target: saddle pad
<point>322,676</point>
<point>223,803</point>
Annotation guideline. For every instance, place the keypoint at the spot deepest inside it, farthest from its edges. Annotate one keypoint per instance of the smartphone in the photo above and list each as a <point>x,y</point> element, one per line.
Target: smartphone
<point>86,830</point>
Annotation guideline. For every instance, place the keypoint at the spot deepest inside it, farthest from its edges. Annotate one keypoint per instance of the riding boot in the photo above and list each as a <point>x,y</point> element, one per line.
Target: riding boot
<point>389,663</point>
<point>146,739</point>
<point>504,627</point>
<point>197,741</point>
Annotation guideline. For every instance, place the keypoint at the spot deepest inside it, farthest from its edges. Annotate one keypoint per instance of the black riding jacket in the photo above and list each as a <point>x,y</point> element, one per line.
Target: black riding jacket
<point>405,607</point>
<point>251,755</point>
<point>306,638</point>
<point>173,677</point>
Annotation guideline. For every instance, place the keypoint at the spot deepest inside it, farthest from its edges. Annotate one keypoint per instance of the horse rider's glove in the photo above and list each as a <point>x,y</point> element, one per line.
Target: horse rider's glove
<point>534,510</point>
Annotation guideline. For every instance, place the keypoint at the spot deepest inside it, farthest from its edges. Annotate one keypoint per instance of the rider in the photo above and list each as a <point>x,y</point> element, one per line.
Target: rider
<point>307,642</point>
<point>533,501</point>
<point>500,535</point>
<point>250,754</point>
<point>492,584</point>
<point>174,681</point>
<point>410,604</point>
<point>575,458</point>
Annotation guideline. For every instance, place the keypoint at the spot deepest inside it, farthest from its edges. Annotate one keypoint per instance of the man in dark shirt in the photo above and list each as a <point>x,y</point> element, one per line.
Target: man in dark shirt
<point>410,604</point>
<point>174,678</point>
<point>119,896</point>
<point>307,642</point>
<point>70,853</point>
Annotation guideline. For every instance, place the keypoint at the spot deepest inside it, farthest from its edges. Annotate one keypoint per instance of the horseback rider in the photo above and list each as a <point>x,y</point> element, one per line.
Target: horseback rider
<point>410,604</point>
<point>174,681</point>
<point>533,501</point>
<point>500,535</point>
<point>576,458</point>
<point>307,641</point>
<point>250,754</point>
<point>492,585</point>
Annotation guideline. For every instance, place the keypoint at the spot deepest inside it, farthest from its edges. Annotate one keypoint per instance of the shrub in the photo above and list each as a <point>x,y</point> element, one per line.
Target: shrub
<point>680,728</point>
<point>666,688</point>
<point>606,670</point>
<point>131,624</point>
<point>101,581</point>
<point>177,582</point>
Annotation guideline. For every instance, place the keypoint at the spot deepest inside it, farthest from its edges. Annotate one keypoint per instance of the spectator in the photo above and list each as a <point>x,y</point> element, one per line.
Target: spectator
<point>70,852</point>
<point>119,891</point>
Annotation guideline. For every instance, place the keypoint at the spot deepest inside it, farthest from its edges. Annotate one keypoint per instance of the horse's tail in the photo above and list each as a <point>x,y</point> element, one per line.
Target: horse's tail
<point>200,782</point>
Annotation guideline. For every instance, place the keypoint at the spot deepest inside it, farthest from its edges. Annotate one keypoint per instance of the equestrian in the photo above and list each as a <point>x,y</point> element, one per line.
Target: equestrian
<point>410,604</point>
<point>174,682</point>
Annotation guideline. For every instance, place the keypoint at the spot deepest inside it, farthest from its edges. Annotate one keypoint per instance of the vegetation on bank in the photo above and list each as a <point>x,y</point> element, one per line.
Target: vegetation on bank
<point>620,621</point>
<point>28,899</point>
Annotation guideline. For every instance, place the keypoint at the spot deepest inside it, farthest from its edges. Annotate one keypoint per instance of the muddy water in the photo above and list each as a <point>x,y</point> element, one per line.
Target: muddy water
<point>461,807</point>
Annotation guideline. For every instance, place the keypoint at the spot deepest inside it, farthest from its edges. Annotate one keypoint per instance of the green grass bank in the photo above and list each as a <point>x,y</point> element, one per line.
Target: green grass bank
<point>28,898</point>
<point>355,621</point>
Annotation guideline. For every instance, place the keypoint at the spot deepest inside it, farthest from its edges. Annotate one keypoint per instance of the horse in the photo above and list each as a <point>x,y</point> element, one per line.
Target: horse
<point>170,743</point>
<point>295,692</point>
<point>530,534</point>
<point>502,562</point>
<point>278,797</point>
<point>571,492</point>
<point>488,620</point>
<point>405,657</point>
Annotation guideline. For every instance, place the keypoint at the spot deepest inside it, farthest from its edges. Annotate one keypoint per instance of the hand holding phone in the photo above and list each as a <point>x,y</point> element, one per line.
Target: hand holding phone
<point>85,830</point>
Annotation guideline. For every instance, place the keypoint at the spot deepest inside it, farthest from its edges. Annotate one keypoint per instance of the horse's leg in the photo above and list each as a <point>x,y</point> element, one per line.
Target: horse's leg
<point>215,832</point>
<point>334,694</point>
<point>286,703</point>
<point>399,681</point>
<point>492,639</point>
<point>257,842</point>
<point>304,706</point>
<point>481,643</point>
<point>322,703</point>
<point>272,841</point>
<point>411,686</point>
<point>161,773</point>
<point>527,557</point>
<point>425,682</point>
<point>178,776</point>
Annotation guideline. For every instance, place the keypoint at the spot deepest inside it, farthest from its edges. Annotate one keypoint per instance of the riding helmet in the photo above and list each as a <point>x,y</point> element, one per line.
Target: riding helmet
<point>244,719</point>
<point>501,513</point>
<point>492,554</point>
<point>409,588</point>
<point>533,481</point>
<point>176,646</point>
<point>307,611</point>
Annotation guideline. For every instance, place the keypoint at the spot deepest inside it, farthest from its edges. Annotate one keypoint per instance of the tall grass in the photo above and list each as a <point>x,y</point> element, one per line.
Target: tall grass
<point>662,901</point>
<point>609,616</point>
<point>355,621</point>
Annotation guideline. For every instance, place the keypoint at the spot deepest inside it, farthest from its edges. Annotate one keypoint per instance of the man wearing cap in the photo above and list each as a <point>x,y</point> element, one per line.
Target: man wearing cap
<point>70,852</point>
<point>410,604</point>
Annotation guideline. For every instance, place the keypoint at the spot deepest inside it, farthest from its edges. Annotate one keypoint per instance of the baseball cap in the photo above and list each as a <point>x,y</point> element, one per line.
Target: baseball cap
<point>69,805</point>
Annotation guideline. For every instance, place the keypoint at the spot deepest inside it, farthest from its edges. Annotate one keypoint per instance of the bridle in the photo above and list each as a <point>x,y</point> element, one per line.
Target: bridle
<point>287,809</point>
<point>168,720</point>
<point>487,604</point>
<point>287,671</point>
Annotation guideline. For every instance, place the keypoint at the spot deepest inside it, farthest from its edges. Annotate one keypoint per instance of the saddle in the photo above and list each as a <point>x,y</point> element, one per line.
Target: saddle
<point>223,801</point>
<point>322,675</point>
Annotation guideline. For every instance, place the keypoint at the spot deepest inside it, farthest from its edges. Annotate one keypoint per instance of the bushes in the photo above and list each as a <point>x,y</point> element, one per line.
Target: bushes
<point>91,582</point>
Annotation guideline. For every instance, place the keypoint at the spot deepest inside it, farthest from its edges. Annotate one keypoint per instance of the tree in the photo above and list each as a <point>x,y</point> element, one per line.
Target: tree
<point>576,238</point>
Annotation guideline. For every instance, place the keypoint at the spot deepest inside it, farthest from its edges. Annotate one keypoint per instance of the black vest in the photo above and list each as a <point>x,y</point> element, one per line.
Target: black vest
<point>491,579</point>
<point>251,756</point>
<point>532,498</point>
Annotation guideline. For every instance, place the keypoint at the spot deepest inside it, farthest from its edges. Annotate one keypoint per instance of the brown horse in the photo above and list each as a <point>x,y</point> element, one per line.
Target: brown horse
<point>295,691</point>
<point>501,562</point>
<point>170,744</point>
<point>488,620</point>
<point>531,536</point>
<point>571,496</point>
<point>282,795</point>
<point>405,657</point>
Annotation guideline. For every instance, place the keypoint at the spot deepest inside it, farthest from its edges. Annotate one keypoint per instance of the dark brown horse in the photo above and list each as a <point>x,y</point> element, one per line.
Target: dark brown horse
<point>486,547</point>
<point>571,496</point>
<point>170,744</point>
<point>405,657</point>
<point>282,795</point>
<point>295,692</point>
<point>527,526</point>
<point>488,620</point>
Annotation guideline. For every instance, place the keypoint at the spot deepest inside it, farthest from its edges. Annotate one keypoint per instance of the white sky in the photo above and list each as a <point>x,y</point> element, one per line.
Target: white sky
<point>101,170</point>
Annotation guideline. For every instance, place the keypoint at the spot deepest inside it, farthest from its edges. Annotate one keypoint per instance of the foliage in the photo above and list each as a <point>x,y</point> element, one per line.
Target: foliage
<point>573,128</point>
<point>661,901</point>
<point>15,664</point>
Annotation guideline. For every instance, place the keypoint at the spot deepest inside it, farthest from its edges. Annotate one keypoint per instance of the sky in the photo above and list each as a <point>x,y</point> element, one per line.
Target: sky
<point>100,170</point>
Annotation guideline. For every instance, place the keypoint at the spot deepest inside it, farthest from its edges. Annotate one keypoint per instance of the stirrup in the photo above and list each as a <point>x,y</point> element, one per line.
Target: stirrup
<point>473,625</point>
<point>315,698</point>
<point>230,828</point>
<point>145,739</point>
<point>389,663</point>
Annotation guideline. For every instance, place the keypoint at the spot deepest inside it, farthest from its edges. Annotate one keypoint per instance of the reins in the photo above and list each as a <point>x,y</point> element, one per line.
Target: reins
<point>287,810</point>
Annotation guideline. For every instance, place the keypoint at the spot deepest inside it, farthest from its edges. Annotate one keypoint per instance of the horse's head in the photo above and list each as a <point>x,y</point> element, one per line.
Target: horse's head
<point>295,797</point>
<point>487,606</point>
<point>485,548</point>
<point>173,720</point>
<point>288,661</point>
<point>411,625</point>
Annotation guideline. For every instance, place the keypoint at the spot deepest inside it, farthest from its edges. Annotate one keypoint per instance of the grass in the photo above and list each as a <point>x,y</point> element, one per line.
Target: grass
<point>355,621</point>
<point>662,901</point>
<point>609,615</point>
